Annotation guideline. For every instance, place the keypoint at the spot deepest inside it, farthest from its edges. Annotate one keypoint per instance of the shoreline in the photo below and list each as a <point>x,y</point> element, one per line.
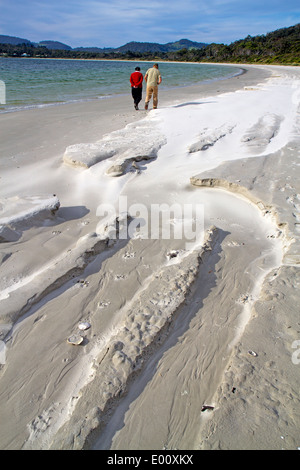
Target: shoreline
<point>106,117</point>
<point>161,60</point>
<point>165,330</point>
<point>121,94</point>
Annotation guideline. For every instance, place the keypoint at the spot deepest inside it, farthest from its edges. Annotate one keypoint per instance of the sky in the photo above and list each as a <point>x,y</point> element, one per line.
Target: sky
<point>113,23</point>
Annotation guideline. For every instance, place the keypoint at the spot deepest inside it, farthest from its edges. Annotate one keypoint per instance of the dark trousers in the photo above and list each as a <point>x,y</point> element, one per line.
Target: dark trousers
<point>136,95</point>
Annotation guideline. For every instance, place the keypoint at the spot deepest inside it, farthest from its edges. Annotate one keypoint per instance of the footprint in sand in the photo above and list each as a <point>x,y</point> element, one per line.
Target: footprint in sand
<point>128,255</point>
<point>103,303</point>
<point>119,277</point>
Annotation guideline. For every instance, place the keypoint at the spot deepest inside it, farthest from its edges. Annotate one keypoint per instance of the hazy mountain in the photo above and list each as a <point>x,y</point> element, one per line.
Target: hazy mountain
<point>184,44</point>
<point>129,47</point>
<point>55,45</point>
<point>142,47</point>
<point>13,40</point>
<point>93,49</point>
<point>155,47</point>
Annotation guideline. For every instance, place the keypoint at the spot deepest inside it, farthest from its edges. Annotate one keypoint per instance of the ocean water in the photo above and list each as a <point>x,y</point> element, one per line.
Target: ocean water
<point>44,82</point>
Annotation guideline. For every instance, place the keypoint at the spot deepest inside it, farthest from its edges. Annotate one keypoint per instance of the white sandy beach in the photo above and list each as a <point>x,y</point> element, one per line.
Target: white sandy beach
<point>192,339</point>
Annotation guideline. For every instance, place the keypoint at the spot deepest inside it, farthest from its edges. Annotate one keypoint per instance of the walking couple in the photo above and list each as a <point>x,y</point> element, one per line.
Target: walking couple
<point>152,78</point>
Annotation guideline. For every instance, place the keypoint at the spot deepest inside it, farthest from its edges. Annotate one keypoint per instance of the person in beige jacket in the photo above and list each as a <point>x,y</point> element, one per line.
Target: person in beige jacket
<point>153,79</point>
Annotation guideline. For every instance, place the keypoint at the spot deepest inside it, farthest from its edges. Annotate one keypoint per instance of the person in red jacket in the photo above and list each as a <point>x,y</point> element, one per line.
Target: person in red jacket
<point>136,80</point>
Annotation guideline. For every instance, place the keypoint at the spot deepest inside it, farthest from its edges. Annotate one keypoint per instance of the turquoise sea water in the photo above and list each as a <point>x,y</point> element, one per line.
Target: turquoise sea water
<point>39,82</point>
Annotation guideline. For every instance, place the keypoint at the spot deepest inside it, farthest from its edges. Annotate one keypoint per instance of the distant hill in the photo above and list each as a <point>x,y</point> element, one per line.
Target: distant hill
<point>280,46</point>
<point>13,40</point>
<point>156,47</point>
<point>95,50</point>
<point>55,45</point>
<point>136,47</point>
<point>184,44</point>
<point>142,47</point>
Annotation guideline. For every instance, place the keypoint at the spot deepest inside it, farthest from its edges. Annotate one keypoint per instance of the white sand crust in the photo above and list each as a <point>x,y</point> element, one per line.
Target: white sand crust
<point>18,213</point>
<point>136,142</point>
<point>147,341</point>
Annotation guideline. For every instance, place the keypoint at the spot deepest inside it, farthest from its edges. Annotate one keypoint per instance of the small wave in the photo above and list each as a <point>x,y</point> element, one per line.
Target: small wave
<point>25,107</point>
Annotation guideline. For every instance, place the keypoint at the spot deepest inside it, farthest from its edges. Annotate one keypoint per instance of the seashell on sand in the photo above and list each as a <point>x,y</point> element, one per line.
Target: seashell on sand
<point>84,325</point>
<point>75,339</point>
<point>252,353</point>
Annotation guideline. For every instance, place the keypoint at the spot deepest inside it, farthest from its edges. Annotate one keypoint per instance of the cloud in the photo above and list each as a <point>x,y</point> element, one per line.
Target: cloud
<point>115,22</point>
